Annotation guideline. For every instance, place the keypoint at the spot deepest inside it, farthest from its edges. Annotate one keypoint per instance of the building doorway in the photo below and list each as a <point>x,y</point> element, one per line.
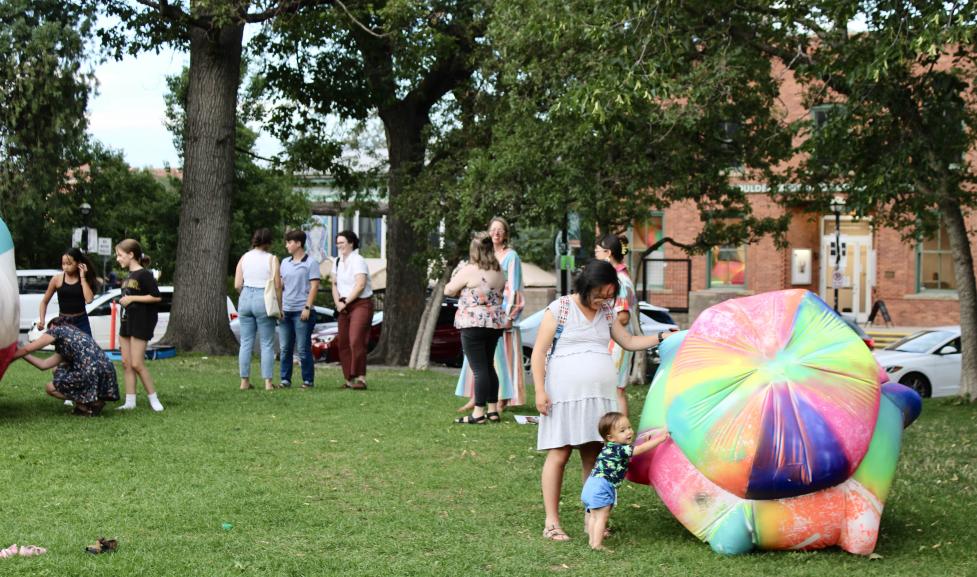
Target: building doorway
<point>857,266</point>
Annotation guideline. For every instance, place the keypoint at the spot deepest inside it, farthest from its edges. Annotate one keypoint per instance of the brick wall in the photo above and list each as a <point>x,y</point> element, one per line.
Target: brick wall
<point>768,268</point>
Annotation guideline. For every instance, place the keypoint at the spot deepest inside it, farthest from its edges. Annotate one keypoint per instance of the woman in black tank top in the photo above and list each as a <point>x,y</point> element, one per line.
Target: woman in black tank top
<point>75,288</point>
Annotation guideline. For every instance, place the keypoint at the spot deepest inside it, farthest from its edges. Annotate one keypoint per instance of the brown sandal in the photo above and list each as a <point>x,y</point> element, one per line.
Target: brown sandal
<point>555,533</point>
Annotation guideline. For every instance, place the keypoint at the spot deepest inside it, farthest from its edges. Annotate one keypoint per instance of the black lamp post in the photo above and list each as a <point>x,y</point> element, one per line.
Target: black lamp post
<point>837,207</point>
<point>86,210</point>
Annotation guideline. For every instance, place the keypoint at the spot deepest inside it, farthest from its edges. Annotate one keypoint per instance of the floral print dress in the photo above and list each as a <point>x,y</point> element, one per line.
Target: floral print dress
<point>85,374</point>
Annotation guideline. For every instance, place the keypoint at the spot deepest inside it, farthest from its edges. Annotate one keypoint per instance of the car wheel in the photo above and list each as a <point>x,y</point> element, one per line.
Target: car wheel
<point>527,359</point>
<point>918,383</point>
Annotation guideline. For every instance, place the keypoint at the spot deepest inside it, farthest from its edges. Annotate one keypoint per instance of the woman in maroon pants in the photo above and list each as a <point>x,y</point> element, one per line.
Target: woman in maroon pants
<point>353,296</point>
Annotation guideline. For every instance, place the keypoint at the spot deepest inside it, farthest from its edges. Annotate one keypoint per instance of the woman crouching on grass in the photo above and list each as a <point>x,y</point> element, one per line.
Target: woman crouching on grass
<point>82,372</point>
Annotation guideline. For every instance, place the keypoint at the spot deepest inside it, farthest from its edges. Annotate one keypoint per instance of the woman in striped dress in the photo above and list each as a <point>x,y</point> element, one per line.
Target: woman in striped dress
<point>508,353</point>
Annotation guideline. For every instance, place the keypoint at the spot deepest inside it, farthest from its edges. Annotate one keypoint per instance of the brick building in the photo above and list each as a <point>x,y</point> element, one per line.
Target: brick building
<point>914,279</point>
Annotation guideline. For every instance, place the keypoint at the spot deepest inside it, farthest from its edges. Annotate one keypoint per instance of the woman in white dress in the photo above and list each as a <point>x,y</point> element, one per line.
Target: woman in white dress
<point>576,382</point>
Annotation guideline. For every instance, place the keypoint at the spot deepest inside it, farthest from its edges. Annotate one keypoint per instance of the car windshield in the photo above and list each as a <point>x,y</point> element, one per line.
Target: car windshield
<point>921,342</point>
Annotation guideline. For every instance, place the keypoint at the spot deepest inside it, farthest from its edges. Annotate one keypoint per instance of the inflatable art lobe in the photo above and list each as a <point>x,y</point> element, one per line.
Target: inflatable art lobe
<point>784,433</point>
<point>9,299</point>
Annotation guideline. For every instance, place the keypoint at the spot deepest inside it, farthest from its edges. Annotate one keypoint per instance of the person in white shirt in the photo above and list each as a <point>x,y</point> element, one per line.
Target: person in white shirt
<point>252,273</point>
<point>352,293</point>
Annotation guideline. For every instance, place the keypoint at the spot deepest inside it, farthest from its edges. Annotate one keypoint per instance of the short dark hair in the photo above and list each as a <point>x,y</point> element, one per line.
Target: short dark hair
<point>596,274</point>
<point>607,422</point>
<point>350,237</point>
<point>261,237</point>
<point>296,235</point>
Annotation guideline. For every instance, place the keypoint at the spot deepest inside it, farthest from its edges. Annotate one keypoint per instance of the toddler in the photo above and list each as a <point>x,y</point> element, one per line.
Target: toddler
<point>599,493</point>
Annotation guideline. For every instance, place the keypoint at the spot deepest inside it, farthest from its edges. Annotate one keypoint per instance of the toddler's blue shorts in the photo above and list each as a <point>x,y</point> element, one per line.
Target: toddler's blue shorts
<point>598,493</point>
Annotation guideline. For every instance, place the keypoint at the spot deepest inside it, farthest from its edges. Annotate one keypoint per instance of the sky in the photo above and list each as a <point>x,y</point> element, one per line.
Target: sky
<point>127,111</point>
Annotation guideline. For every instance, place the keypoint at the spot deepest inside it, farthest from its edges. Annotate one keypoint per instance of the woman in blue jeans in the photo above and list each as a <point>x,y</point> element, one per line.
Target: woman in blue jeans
<point>253,271</point>
<point>300,284</point>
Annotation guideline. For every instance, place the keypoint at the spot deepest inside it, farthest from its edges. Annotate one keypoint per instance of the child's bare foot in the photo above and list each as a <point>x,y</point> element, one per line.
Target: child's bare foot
<point>467,406</point>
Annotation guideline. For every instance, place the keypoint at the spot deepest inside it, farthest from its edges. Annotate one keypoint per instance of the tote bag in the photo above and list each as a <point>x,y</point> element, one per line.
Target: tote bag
<point>272,308</point>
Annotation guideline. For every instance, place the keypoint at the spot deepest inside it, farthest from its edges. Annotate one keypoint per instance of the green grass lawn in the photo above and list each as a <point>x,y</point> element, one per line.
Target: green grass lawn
<point>337,482</point>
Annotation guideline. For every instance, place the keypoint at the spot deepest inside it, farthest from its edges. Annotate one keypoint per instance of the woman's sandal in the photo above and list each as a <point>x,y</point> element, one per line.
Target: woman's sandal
<point>493,417</point>
<point>555,533</point>
<point>470,420</point>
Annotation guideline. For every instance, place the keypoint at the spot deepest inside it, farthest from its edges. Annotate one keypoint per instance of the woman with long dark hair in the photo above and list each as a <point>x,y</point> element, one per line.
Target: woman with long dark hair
<point>75,288</point>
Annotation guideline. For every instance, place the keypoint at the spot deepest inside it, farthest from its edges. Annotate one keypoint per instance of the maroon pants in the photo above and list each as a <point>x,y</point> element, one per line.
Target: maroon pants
<point>354,334</point>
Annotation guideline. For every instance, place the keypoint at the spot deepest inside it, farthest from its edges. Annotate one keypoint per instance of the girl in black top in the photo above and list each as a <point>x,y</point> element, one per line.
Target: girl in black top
<point>139,297</point>
<point>75,288</point>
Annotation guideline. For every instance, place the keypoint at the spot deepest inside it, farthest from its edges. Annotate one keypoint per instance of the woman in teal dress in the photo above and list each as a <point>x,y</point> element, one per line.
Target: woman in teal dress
<point>508,353</point>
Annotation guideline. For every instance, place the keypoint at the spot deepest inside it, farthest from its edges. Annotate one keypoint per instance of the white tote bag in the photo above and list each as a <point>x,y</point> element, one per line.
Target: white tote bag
<point>272,308</point>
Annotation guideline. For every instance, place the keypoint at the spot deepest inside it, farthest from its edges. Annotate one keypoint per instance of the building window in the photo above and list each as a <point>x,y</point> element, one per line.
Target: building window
<point>370,229</point>
<point>727,267</point>
<point>934,264</point>
<point>647,232</point>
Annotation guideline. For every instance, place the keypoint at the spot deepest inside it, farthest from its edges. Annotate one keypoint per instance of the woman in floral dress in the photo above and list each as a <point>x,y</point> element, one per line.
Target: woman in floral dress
<point>481,318</point>
<point>82,372</point>
<point>508,352</point>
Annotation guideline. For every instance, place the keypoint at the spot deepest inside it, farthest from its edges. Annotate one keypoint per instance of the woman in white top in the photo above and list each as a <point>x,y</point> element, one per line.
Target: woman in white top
<point>352,293</point>
<point>252,274</point>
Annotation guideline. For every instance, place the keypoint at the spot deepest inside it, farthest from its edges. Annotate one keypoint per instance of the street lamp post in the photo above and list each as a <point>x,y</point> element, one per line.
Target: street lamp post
<point>837,207</point>
<point>86,211</point>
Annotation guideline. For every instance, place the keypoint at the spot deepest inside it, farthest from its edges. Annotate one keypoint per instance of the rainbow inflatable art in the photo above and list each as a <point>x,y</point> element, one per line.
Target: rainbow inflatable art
<point>9,299</point>
<point>785,433</point>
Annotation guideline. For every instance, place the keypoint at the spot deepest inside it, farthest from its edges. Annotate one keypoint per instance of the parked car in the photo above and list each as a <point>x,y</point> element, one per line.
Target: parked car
<point>927,361</point>
<point>445,344</point>
<point>100,316</point>
<point>32,284</point>
<point>652,320</point>
<point>853,325</point>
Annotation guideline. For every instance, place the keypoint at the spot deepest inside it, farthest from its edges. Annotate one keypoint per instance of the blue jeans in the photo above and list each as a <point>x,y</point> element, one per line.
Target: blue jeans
<point>254,319</point>
<point>296,334</point>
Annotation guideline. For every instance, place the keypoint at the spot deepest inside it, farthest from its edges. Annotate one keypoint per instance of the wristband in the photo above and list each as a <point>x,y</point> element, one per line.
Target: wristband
<point>342,299</point>
<point>660,333</point>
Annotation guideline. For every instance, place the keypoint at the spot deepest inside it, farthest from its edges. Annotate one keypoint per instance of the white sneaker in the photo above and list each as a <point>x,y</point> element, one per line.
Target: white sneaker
<point>69,403</point>
<point>156,405</point>
<point>125,407</point>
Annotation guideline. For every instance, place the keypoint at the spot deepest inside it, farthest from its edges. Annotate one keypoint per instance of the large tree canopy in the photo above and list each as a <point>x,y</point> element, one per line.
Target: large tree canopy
<point>44,87</point>
<point>396,60</point>
<point>616,108</point>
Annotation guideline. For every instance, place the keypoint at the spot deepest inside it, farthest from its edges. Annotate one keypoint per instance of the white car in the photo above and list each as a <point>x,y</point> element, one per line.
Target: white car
<point>100,316</point>
<point>32,284</point>
<point>927,361</point>
<point>653,319</point>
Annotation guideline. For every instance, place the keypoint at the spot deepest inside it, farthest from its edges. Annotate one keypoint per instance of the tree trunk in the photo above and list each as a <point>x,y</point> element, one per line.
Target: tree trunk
<point>420,357</point>
<point>963,270</point>
<point>198,320</point>
<point>406,280</point>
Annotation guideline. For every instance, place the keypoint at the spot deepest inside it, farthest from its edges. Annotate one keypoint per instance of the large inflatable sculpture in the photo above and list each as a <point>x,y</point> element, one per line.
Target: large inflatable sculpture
<point>785,433</point>
<point>9,299</point>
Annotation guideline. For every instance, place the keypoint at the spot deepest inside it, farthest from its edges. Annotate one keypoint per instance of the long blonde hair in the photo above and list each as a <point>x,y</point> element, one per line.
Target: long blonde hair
<point>505,225</point>
<point>481,252</point>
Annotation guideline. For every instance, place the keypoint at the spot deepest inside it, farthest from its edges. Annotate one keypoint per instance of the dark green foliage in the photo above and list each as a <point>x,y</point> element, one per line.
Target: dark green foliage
<point>44,86</point>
